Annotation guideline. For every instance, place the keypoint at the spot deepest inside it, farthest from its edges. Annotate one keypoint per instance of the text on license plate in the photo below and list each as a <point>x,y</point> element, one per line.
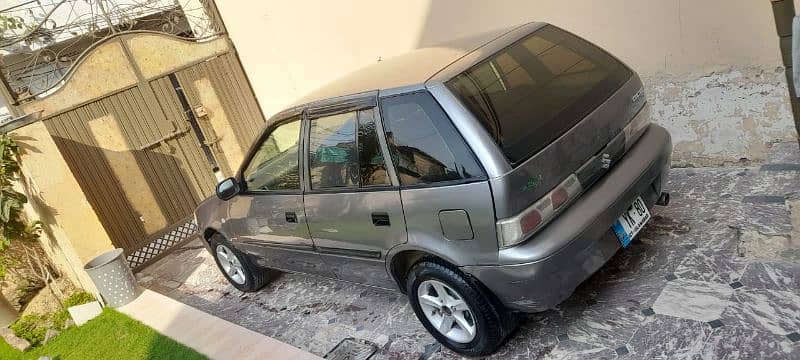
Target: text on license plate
<point>631,222</point>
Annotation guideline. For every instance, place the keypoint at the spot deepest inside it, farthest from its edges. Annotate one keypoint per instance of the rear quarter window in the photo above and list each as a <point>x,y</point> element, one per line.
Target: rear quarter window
<point>424,145</point>
<point>531,92</point>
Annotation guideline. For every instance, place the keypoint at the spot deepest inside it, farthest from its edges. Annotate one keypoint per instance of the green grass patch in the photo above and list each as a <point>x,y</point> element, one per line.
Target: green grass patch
<point>60,317</point>
<point>30,327</point>
<point>111,335</point>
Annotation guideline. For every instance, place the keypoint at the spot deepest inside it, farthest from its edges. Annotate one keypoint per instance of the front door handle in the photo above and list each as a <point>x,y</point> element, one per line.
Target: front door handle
<point>291,217</point>
<point>380,219</point>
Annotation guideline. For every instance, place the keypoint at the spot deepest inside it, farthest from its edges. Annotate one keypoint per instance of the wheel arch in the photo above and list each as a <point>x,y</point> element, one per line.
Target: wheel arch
<point>208,233</point>
<point>402,260</point>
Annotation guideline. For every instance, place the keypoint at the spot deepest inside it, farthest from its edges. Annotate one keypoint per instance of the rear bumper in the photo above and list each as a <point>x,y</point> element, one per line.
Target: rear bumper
<point>540,273</point>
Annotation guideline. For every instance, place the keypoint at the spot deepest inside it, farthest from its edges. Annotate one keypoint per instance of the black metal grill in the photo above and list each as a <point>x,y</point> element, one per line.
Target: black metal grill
<point>352,349</point>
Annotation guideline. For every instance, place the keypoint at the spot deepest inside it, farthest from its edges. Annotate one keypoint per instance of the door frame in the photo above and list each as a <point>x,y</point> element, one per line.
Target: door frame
<point>370,263</point>
<point>238,176</point>
<point>341,105</point>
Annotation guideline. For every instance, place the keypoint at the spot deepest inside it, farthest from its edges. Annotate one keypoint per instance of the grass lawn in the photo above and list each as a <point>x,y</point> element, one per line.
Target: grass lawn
<point>111,335</point>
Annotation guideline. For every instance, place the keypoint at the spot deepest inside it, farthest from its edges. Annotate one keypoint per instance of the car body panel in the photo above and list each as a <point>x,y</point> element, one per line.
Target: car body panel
<point>422,207</point>
<point>542,272</point>
<point>260,225</point>
<point>343,225</point>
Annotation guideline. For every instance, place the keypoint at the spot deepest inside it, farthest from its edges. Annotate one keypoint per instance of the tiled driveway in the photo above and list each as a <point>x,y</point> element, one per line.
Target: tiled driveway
<point>714,275</point>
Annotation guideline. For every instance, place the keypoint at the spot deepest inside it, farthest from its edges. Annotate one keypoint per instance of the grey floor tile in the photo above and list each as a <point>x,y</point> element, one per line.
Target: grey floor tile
<point>607,326</point>
<point>693,300</point>
<point>737,342</point>
<point>712,267</point>
<point>783,276</point>
<point>666,337</point>
<point>773,311</point>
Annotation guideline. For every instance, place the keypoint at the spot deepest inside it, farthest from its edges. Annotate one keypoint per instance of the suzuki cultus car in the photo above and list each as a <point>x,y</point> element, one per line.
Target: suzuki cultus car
<point>484,177</point>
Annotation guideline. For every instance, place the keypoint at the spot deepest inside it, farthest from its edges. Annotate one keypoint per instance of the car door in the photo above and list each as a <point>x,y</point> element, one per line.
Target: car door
<point>267,217</point>
<point>354,211</point>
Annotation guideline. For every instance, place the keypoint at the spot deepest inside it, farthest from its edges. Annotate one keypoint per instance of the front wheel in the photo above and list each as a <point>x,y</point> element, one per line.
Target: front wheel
<point>456,310</point>
<point>236,266</point>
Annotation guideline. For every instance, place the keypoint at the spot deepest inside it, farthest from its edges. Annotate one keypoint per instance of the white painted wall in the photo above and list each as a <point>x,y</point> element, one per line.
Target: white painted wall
<point>291,48</point>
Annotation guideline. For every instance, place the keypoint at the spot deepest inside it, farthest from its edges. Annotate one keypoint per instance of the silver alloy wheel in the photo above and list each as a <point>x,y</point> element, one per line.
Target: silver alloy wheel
<point>447,311</point>
<point>230,264</point>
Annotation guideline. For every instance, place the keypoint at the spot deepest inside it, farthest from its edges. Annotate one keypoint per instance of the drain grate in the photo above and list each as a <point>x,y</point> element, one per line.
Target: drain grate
<point>352,349</point>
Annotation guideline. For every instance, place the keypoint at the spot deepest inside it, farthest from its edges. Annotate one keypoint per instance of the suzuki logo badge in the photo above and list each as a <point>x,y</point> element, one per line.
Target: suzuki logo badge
<point>605,162</point>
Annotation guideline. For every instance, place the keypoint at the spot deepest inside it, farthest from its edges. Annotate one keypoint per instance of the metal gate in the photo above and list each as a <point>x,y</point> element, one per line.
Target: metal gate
<point>147,154</point>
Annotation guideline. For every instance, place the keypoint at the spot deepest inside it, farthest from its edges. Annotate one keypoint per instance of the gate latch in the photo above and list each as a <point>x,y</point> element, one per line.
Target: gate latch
<point>200,111</point>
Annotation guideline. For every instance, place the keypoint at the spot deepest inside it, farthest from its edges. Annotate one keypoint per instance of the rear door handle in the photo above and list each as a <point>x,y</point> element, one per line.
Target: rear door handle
<point>380,219</point>
<point>291,217</point>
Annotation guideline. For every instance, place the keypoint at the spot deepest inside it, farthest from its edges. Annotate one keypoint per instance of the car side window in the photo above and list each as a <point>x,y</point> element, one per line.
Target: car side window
<point>332,158</point>
<point>424,145</point>
<point>372,165</point>
<point>274,165</point>
<point>341,157</point>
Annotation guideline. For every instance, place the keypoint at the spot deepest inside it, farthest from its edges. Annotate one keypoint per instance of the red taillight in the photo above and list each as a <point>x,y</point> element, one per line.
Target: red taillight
<point>516,229</point>
<point>559,197</point>
<point>530,221</point>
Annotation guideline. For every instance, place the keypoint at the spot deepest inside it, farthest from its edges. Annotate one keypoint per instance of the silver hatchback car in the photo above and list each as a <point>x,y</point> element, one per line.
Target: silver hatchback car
<point>483,177</point>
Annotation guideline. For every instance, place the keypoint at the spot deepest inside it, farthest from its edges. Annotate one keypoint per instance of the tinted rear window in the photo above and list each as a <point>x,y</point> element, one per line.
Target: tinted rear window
<point>533,91</point>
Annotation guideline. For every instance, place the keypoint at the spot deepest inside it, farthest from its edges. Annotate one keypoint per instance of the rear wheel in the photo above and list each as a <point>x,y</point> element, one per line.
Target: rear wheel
<point>236,266</point>
<point>456,310</point>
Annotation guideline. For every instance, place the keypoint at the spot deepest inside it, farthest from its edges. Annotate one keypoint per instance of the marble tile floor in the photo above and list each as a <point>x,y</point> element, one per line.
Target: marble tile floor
<point>715,275</point>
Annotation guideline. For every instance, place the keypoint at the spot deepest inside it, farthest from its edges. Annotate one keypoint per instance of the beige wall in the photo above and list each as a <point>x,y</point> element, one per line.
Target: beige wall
<point>72,233</point>
<point>289,48</point>
<point>711,67</point>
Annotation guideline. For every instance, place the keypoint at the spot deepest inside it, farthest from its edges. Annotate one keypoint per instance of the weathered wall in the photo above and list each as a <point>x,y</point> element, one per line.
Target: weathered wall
<point>728,115</point>
<point>107,63</point>
<point>72,234</point>
<point>717,51</point>
<point>106,69</point>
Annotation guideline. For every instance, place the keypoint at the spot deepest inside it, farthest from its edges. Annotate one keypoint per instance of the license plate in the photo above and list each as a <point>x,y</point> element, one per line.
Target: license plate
<point>631,222</point>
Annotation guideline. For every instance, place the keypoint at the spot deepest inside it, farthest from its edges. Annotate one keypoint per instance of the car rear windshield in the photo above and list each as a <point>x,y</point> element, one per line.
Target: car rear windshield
<point>531,92</point>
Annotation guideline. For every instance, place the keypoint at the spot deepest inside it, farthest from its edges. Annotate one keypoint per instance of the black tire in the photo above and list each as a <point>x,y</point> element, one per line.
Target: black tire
<point>255,277</point>
<point>492,321</point>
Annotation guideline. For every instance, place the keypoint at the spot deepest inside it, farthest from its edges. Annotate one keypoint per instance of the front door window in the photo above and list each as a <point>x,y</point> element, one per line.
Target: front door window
<point>274,165</point>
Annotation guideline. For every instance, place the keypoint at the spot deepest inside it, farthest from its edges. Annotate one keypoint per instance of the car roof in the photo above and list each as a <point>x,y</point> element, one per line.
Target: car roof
<point>409,69</point>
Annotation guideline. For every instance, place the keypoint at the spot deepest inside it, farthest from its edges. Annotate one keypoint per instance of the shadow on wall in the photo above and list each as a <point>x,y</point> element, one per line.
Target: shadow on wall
<point>161,194</point>
<point>46,214</point>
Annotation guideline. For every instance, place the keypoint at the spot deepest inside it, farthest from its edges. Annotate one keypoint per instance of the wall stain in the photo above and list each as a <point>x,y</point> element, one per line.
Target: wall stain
<point>722,117</point>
